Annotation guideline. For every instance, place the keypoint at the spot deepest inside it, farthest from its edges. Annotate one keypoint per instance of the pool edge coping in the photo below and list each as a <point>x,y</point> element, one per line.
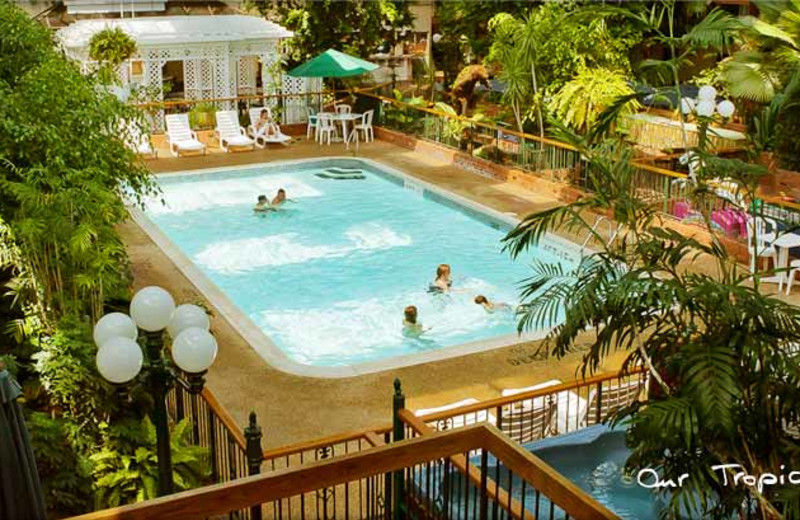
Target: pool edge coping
<point>263,344</point>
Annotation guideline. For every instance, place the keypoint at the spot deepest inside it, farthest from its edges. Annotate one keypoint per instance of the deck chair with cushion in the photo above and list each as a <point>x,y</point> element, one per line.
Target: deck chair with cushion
<point>529,419</point>
<point>611,399</point>
<point>230,133</point>
<point>181,137</point>
<point>271,134</point>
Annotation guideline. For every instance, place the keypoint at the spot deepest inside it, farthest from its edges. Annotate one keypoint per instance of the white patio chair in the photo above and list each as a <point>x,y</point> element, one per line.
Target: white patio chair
<point>611,399</point>
<point>271,134</point>
<point>180,136</point>
<point>313,123</point>
<point>762,232</point>
<point>365,126</point>
<point>343,109</point>
<point>137,140</point>
<point>794,267</point>
<point>326,128</point>
<point>230,132</point>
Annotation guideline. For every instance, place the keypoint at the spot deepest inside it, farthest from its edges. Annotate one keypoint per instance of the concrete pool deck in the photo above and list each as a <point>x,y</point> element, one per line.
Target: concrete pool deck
<point>293,408</point>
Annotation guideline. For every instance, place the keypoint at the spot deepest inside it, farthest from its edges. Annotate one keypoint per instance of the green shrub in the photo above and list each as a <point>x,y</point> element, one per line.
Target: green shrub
<point>63,472</point>
<point>126,469</point>
<point>581,100</point>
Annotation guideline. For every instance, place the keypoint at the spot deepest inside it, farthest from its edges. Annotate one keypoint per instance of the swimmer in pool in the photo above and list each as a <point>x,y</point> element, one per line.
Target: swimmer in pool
<point>443,282</point>
<point>490,306</point>
<point>262,205</point>
<point>412,327</point>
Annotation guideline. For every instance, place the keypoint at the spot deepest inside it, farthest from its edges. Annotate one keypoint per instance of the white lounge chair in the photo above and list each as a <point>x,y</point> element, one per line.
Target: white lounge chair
<point>181,137</point>
<point>230,133</point>
<point>459,420</point>
<point>272,134</point>
<point>137,140</point>
<point>365,126</point>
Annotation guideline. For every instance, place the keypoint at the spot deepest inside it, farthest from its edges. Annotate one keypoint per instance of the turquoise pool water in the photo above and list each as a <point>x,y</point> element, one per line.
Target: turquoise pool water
<point>327,278</point>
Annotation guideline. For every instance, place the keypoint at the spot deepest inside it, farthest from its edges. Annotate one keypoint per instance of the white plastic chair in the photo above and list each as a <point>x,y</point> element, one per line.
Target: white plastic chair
<point>762,232</point>
<point>343,109</point>
<point>794,267</point>
<point>326,128</point>
<point>180,136</point>
<point>365,126</point>
<point>230,133</point>
<point>137,140</point>
<point>313,123</point>
<point>272,133</point>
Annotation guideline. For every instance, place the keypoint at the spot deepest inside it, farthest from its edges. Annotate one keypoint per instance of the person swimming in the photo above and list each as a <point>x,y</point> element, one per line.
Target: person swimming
<point>443,283</point>
<point>490,306</point>
<point>262,205</point>
<point>412,327</point>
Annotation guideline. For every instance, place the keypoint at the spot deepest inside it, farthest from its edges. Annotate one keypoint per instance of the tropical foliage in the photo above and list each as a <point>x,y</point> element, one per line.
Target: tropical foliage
<point>582,99</point>
<point>720,354</point>
<point>353,27</point>
<point>126,468</point>
<point>110,48</point>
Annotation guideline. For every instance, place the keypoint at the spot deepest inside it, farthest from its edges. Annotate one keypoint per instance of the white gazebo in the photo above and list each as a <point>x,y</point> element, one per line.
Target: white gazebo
<point>220,55</point>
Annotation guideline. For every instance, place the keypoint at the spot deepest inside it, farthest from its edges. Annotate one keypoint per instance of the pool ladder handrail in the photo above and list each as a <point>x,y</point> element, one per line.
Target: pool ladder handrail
<point>612,230</point>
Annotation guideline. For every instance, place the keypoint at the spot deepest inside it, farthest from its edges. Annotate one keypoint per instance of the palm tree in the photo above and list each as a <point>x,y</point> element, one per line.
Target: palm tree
<point>722,357</point>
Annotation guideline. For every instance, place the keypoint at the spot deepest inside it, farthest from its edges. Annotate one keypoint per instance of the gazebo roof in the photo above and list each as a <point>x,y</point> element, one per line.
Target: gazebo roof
<point>165,30</point>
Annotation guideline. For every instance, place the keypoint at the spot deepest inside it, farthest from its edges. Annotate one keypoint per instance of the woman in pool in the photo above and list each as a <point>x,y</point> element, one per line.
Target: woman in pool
<point>279,199</point>
<point>490,306</point>
<point>412,327</point>
<point>443,282</point>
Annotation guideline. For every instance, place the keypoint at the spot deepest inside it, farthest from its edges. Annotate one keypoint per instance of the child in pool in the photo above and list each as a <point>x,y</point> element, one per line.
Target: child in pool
<point>490,306</point>
<point>262,205</point>
<point>411,327</point>
<point>443,282</point>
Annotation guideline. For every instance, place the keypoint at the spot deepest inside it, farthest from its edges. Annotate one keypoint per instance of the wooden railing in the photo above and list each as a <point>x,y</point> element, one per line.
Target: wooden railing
<point>439,475</point>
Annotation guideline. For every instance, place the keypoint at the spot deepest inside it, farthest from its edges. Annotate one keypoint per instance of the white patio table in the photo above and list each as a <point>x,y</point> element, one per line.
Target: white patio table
<point>783,243</point>
<point>344,119</point>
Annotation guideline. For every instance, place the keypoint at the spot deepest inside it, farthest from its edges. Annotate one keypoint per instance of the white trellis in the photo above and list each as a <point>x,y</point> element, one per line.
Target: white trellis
<point>220,54</point>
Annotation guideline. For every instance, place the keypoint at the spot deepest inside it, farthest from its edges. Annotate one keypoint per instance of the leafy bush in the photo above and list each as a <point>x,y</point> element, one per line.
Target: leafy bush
<point>66,367</point>
<point>582,99</point>
<point>126,469</point>
<point>63,472</point>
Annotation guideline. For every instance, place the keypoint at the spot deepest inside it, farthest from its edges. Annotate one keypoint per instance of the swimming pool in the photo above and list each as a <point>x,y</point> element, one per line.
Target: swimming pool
<point>323,282</point>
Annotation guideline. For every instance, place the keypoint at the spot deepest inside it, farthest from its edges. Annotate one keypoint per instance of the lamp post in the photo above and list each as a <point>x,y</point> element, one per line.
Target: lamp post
<point>704,108</point>
<point>120,358</point>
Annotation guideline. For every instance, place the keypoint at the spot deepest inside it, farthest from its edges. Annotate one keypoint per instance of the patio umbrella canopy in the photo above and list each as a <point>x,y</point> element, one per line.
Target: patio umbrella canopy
<point>332,64</point>
<point>20,488</point>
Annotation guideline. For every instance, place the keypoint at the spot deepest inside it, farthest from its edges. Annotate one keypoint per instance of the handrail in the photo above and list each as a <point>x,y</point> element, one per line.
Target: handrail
<point>339,438</point>
<point>323,475</point>
<point>224,417</point>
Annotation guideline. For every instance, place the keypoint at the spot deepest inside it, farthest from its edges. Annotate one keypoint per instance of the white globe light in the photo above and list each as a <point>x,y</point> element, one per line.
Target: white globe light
<point>687,105</point>
<point>152,308</point>
<point>185,316</point>
<point>112,325</point>
<point>119,359</point>
<point>436,38</point>
<point>726,108</point>
<point>194,350</point>
<point>707,93</point>
<point>705,108</point>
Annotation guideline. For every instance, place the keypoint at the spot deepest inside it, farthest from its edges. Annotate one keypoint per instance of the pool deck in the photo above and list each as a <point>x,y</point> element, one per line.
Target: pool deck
<point>293,409</point>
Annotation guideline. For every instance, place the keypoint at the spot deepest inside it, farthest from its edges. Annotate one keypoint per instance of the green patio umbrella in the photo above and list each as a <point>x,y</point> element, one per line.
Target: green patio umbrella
<point>20,488</point>
<point>332,64</point>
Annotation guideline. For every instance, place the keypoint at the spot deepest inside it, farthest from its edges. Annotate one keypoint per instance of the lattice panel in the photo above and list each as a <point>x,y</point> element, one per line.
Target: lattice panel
<point>246,71</point>
<point>294,106</point>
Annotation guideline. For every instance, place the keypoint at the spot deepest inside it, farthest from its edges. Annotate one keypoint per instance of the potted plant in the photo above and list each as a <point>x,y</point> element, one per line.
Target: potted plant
<point>201,116</point>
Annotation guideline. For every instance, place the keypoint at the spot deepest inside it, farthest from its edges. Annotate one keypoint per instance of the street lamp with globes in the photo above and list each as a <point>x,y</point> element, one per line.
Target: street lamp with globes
<point>120,357</point>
